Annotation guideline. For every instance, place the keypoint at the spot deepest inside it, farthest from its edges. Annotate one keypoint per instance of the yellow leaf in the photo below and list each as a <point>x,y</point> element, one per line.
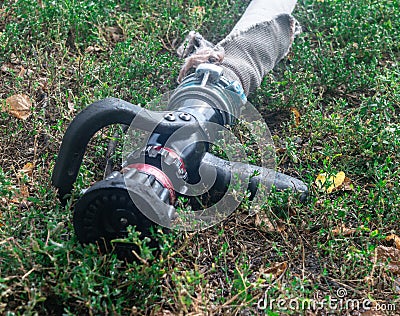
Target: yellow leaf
<point>320,180</point>
<point>334,181</point>
<point>297,115</point>
<point>19,105</point>
<point>337,181</point>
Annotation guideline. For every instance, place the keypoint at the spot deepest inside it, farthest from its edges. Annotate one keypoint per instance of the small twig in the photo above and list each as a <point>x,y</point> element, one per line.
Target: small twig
<point>47,238</point>
<point>28,273</point>
<point>6,240</point>
<point>209,248</point>
<point>35,148</point>
<point>140,258</point>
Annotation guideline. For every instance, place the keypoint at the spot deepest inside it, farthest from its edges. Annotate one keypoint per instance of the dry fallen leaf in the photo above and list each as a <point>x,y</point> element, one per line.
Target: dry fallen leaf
<point>396,240</point>
<point>24,191</point>
<point>114,33</point>
<point>22,72</point>
<point>347,185</point>
<point>21,195</point>
<point>5,68</point>
<point>19,105</point>
<point>343,231</point>
<point>275,271</point>
<point>334,181</point>
<point>17,70</point>
<point>385,254</point>
<point>297,115</point>
<point>397,284</point>
<point>280,150</point>
<point>26,169</point>
<point>95,49</point>
<point>198,10</point>
<point>14,59</point>
<point>264,224</point>
<point>70,102</point>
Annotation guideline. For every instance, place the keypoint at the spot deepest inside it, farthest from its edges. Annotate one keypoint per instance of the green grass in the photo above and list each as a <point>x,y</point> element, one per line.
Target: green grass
<point>343,77</point>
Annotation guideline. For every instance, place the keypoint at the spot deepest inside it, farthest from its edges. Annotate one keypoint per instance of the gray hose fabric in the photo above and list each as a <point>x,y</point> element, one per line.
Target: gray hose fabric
<point>260,11</point>
<point>251,54</point>
<point>259,40</point>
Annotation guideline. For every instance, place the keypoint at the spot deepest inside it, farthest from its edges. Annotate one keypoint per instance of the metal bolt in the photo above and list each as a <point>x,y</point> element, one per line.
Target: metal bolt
<point>185,116</point>
<point>123,221</point>
<point>170,117</point>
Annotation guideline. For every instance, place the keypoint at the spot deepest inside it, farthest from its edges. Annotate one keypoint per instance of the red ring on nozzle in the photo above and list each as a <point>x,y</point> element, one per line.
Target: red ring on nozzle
<point>158,174</point>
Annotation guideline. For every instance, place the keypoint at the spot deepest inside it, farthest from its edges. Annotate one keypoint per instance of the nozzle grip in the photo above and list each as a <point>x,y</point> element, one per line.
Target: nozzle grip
<point>255,176</point>
<point>92,119</point>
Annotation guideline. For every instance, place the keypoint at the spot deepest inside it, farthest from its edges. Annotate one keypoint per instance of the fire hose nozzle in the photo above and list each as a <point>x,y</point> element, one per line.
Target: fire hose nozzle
<point>145,192</point>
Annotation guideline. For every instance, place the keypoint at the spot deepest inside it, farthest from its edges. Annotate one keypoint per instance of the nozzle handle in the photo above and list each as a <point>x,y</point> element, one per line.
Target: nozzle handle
<point>92,119</point>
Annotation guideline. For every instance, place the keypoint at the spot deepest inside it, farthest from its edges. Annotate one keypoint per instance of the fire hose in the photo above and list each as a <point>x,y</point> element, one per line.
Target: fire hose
<point>176,160</point>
